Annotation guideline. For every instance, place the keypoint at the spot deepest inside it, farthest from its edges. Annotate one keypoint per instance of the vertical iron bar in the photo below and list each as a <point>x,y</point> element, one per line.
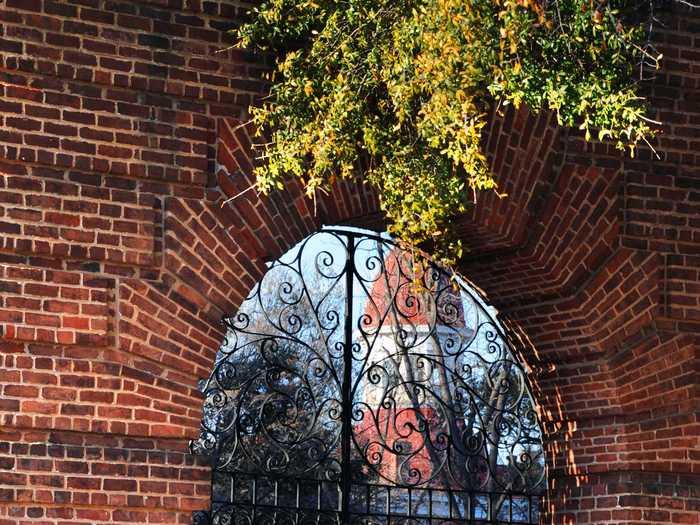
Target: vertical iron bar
<point>215,463</point>
<point>254,500</point>
<point>388,503</point>
<point>233,487</point>
<point>510,508</point>
<point>255,491</point>
<point>347,379</point>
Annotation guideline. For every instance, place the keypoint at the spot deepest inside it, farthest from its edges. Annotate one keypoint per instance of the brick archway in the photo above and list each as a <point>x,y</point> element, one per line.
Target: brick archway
<point>120,141</point>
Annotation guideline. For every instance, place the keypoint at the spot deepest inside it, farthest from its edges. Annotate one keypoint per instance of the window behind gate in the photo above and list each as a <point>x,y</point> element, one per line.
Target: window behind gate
<point>360,383</point>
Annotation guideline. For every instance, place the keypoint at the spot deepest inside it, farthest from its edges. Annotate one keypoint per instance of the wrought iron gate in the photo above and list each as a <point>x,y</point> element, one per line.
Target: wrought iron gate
<point>361,383</point>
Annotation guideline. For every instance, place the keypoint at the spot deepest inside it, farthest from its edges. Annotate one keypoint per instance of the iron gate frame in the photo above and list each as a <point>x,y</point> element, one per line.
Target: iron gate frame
<point>344,515</point>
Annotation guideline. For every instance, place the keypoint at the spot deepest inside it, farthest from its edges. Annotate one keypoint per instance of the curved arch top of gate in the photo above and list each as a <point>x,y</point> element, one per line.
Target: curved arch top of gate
<point>360,381</point>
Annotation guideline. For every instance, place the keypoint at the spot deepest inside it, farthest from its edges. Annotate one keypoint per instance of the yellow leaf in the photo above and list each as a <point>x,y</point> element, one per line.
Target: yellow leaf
<point>308,89</point>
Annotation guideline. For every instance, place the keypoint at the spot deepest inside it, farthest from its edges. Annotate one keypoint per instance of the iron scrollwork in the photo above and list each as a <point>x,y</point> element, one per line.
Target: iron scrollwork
<point>201,517</point>
<point>367,372</point>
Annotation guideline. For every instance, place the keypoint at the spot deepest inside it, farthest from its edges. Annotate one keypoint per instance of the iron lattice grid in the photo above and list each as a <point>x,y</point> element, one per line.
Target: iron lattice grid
<point>361,383</point>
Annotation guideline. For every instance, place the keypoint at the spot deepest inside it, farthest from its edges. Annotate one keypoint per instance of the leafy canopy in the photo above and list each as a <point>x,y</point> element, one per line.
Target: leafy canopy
<point>396,93</point>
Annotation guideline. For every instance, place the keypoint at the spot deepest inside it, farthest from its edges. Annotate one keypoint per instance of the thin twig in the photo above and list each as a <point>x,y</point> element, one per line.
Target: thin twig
<point>251,187</point>
<point>652,148</point>
<point>223,50</point>
<point>243,125</point>
<point>689,4</point>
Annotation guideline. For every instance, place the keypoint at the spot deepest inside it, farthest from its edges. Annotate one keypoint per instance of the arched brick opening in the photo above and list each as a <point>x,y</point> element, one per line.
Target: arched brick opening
<point>120,141</point>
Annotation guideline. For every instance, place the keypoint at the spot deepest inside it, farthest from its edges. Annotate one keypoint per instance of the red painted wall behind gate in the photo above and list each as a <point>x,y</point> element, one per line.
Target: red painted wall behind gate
<point>119,142</point>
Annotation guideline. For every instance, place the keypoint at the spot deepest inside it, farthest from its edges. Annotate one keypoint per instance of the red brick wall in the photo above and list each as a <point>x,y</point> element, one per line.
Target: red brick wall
<point>595,264</point>
<point>119,141</point>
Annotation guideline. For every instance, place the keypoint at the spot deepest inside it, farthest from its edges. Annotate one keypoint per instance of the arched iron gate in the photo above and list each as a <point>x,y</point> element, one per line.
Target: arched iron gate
<point>361,383</point>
